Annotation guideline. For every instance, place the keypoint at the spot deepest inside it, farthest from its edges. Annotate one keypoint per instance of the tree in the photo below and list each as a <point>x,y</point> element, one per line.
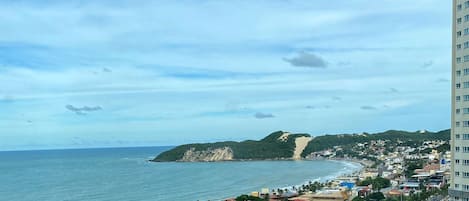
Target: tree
<point>248,198</point>
<point>358,198</point>
<point>367,181</point>
<point>412,165</point>
<point>392,199</point>
<point>379,183</point>
<point>280,191</point>
<point>376,196</point>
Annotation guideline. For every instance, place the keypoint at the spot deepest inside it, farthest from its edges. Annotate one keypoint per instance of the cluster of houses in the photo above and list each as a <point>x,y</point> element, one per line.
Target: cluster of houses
<point>433,174</point>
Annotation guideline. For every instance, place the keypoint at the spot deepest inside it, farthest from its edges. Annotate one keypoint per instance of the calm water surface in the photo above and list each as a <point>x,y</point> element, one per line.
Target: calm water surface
<point>123,174</point>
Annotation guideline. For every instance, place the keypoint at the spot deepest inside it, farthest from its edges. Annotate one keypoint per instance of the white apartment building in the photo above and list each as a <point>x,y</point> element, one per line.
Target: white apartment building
<point>459,188</point>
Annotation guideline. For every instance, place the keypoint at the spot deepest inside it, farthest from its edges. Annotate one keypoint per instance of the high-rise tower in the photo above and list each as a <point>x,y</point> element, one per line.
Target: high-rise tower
<point>459,189</point>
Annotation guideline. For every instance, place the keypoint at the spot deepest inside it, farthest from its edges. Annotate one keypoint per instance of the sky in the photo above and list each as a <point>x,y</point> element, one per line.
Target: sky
<point>77,74</point>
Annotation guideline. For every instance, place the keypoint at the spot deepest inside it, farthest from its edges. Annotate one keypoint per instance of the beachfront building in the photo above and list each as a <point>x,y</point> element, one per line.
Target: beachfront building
<point>459,188</point>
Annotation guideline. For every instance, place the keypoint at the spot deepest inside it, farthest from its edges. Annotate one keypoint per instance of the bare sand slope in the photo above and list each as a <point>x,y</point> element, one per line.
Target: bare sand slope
<point>300,143</point>
<point>284,137</point>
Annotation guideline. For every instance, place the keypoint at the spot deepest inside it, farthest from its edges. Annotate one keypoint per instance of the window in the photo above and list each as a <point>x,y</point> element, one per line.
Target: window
<point>465,136</point>
<point>466,71</point>
<point>457,149</point>
<point>459,20</point>
<point>456,174</point>
<point>466,31</point>
<point>465,162</point>
<point>465,110</point>
<point>465,174</point>
<point>466,4</point>
<point>458,34</point>
<point>466,97</point>
<point>458,73</point>
<point>458,46</point>
<point>456,186</point>
<point>458,136</point>
<point>457,161</point>
<point>466,44</point>
<point>466,18</point>
<point>459,7</point>
<point>465,123</point>
<point>458,111</point>
<point>458,85</point>
<point>458,60</point>
<point>466,84</point>
<point>465,149</point>
<point>466,58</point>
<point>457,124</point>
<point>458,98</point>
<point>465,187</point>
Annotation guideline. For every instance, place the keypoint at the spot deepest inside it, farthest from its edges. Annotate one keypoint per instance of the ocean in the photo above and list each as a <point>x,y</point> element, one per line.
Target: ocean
<point>124,174</point>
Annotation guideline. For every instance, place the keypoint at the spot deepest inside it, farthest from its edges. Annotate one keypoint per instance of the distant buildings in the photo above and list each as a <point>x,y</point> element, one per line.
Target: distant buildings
<point>397,171</point>
<point>459,188</point>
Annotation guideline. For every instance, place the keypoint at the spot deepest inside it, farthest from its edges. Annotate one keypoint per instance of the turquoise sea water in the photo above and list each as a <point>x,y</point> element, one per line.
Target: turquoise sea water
<point>123,174</point>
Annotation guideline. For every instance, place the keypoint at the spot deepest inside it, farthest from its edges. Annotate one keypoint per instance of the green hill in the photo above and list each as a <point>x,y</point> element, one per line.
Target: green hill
<point>269,147</point>
<point>272,147</point>
<point>394,136</point>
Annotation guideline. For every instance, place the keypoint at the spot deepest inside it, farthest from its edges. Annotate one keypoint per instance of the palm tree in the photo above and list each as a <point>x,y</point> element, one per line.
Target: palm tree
<point>280,191</point>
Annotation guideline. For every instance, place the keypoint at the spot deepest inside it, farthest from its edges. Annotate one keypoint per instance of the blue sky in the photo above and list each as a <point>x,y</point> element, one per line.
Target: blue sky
<point>136,73</point>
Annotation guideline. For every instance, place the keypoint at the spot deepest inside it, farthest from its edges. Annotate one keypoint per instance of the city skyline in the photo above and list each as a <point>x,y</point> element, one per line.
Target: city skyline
<point>98,74</point>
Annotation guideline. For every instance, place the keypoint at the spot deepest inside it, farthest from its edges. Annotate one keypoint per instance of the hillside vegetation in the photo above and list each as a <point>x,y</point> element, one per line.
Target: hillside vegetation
<point>271,147</point>
<point>394,136</point>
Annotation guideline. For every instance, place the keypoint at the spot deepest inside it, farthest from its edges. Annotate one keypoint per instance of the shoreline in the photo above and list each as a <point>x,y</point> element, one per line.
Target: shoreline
<point>364,163</point>
<point>232,160</point>
<point>360,164</point>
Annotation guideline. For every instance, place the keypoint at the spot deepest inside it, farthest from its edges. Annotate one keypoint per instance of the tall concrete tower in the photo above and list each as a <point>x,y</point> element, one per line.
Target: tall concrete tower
<point>459,189</point>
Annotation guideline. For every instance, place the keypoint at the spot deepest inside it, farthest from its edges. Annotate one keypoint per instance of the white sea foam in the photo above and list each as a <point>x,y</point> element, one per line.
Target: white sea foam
<point>349,168</point>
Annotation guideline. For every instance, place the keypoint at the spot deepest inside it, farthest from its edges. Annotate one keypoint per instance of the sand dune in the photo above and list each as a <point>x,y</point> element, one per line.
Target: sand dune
<point>301,143</point>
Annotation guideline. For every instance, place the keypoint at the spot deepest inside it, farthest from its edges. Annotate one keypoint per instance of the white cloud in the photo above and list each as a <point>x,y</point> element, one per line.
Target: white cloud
<point>155,66</point>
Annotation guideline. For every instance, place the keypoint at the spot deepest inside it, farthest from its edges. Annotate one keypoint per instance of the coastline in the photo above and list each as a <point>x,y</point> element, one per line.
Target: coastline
<point>130,166</point>
<point>361,162</point>
<point>365,163</point>
<point>358,167</point>
<point>351,167</point>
